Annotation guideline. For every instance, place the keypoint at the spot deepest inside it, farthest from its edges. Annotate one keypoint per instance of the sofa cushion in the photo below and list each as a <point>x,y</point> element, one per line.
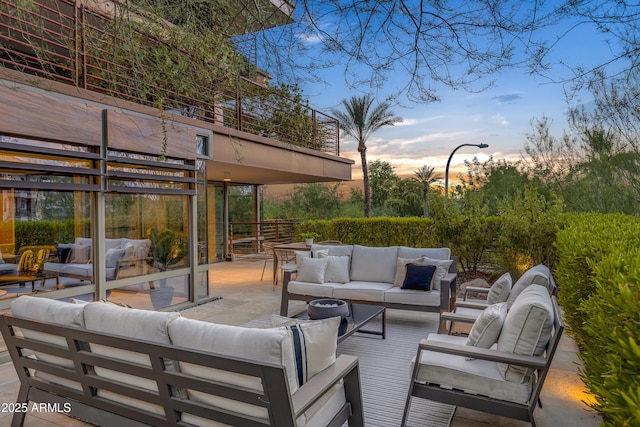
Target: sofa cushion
<point>401,269</point>
<point>474,376</point>
<point>527,328</point>
<point>337,269</point>
<point>273,346</point>
<point>534,276</point>
<point>408,296</point>
<point>486,329</point>
<point>50,311</point>
<point>300,255</point>
<point>135,324</point>
<point>112,256</point>
<point>334,250</point>
<point>314,341</point>
<point>79,253</point>
<point>435,253</point>
<point>500,289</point>
<point>312,270</point>
<point>374,264</point>
<point>419,277</point>
<point>365,291</point>
<point>442,268</point>
<point>313,289</point>
<point>112,244</point>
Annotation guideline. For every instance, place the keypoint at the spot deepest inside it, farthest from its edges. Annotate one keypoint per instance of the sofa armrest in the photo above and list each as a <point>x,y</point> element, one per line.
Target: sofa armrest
<point>345,367</point>
<point>456,317</point>
<point>448,292</point>
<point>534,362</point>
<point>477,305</point>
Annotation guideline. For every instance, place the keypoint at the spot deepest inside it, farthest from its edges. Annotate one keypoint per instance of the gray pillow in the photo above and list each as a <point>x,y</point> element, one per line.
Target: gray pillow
<point>499,291</point>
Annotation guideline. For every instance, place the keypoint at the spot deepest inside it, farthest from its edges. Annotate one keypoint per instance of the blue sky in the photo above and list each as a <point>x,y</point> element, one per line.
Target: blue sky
<point>499,116</point>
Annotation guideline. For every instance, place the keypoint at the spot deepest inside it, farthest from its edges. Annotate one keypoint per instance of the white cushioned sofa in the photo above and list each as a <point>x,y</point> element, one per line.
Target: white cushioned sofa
<point>159,368</point>
<point>373,275</point>
<point>123,257</point>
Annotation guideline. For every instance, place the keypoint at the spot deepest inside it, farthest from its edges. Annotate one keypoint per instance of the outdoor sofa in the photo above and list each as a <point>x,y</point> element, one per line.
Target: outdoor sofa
<point>118,366</point>
<point>372,275</point>
<point>123,257</point>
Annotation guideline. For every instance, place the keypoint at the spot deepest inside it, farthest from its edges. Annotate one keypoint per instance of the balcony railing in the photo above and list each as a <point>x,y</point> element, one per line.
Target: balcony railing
<point>246,238</point>
<point>65,41</point>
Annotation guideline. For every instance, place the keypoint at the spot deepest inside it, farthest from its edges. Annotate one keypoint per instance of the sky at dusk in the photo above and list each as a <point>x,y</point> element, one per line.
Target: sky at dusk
<point>499,116</point>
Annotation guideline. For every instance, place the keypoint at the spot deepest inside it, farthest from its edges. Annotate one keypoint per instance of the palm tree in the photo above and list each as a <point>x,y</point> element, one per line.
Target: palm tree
<point>426,176</point>
<point>360,120</point>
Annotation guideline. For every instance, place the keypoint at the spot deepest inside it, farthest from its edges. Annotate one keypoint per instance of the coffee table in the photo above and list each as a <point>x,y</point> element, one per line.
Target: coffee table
<point>22,278</point>
<point>359,316</point>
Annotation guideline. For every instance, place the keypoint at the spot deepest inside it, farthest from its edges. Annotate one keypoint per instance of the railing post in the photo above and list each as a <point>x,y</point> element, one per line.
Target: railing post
<point>314,132</point>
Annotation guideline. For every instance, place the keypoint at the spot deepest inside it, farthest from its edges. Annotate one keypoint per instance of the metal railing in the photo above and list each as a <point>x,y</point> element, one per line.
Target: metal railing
<point>67,42</point>
<point>246,238</point>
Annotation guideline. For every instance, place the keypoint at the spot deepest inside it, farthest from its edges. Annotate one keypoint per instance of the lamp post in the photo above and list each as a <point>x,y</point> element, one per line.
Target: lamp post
<point>446,173</point>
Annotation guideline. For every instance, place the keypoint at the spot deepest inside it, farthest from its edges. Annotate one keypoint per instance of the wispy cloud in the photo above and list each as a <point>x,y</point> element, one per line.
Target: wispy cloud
<point>510,98</point>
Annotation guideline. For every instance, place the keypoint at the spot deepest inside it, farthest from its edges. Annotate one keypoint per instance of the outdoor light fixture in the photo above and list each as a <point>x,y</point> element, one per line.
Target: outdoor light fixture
<point>227,176</point>
<point>446,173</point>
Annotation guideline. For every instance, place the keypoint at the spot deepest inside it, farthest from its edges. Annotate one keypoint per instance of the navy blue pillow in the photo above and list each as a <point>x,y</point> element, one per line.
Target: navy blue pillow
<point>419,277</point>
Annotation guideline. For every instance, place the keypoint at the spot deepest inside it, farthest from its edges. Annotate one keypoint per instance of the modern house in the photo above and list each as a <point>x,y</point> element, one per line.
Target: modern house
<point>116,173</point>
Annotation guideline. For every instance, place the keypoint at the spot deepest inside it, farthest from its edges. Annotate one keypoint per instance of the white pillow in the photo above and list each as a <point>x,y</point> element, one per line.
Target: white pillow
<point>314,341</point>
<point>300,255</point>
<point>401,269</point>
<point>499,291</point>
<point>442,268</point>
<point>338,269</point>
<point>312,270</point>
<point>486,329</point>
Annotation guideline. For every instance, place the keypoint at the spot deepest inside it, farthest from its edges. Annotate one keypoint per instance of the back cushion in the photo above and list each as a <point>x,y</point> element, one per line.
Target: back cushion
<point>131,323</point>
<point>50,311</point>
<point>534,276</point>
<point>337,250</point>
<point>527,329</point>
<point>434,253</point>
<point>265,345</point>
<point>374,264</point>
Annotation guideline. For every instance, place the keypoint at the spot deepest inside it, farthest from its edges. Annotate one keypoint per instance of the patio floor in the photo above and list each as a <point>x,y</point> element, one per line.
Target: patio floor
<point>246,297</point>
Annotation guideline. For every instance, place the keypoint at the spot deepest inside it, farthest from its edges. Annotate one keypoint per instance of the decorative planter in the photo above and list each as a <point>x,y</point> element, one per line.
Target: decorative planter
<point>161,297</point>
<point>325,308</point>
<point>308,242</point>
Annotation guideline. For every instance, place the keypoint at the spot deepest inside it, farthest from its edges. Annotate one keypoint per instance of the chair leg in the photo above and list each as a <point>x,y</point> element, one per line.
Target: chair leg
<point>264,266</point>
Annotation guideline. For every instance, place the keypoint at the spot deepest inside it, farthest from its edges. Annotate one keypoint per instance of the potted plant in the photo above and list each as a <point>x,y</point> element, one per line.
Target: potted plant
<point>309,236</point>
<point>167,248</point>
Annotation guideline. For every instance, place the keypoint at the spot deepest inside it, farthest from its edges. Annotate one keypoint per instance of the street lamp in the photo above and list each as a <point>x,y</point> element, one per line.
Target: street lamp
<point>446,173</point>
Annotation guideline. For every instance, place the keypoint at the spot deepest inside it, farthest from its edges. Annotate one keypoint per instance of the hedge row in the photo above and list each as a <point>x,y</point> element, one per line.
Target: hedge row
<point>599,277</point>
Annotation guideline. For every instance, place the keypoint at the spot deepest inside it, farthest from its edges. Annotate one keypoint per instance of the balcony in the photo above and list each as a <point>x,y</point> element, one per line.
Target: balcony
<point>67,42</point>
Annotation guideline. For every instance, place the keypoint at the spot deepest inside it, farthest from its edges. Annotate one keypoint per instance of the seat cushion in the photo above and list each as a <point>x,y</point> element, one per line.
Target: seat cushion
<point>374,264</point>
<point>312,289</point>
<point>409,296</point>
<point>365,291</point>
<point>527,328</point>
<point>474,376</point>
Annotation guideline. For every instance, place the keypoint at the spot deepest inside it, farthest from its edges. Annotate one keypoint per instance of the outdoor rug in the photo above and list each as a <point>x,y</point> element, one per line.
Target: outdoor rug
<point>384,370</point>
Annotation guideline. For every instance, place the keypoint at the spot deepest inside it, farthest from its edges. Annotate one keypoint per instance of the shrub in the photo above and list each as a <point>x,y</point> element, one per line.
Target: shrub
<point>611,354</point>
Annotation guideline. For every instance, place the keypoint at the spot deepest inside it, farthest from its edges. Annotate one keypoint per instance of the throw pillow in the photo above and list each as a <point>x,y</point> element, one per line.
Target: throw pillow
<point>300,255</point>
<point>419,277</point>
<point>79,253</point>
<point>486,329</point>
<point>401,269</point>
<point>442,268</point>
<point>314,343</point>
<point>499,291</point>
<point>312,270</point>
<point>338,269</point>
<point>63,252</point>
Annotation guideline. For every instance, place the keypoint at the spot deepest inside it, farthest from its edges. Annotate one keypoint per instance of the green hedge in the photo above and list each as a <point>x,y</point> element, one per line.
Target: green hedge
<point>599,278</point>
<point>29,233</point>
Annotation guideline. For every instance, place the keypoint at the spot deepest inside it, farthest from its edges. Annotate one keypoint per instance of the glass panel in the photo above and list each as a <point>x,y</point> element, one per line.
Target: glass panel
<point>45,241</point>
<point>215,203</point>
<point>153,295</point>
<point>201,213</point>
<point>145,234</point>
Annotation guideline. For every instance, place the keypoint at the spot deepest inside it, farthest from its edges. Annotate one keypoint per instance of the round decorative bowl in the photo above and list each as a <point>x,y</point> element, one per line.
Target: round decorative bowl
<point>328,307</point>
